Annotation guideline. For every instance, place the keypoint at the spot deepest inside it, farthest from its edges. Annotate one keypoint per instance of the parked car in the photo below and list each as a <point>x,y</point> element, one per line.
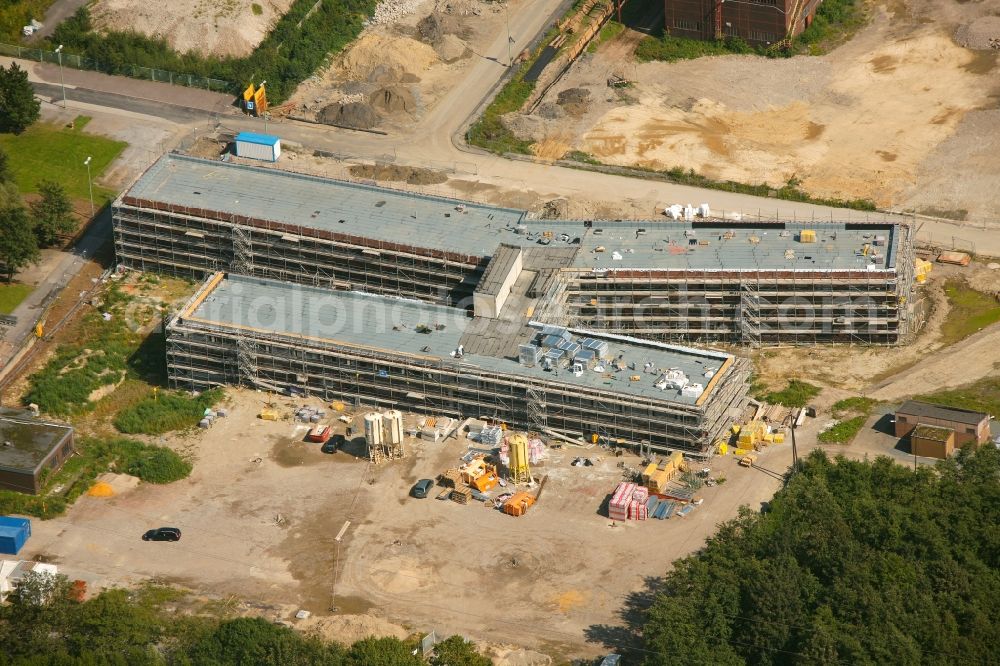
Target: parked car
<point>162,534</point>
<point>331,445</point>
<point>421,488</point>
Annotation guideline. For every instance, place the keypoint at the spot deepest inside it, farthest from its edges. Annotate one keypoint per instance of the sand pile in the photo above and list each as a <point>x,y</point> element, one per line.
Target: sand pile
<point>358,115</point>
<point>451,49</point>
<point>206,26</point>
<point>574,101</point>
<point>983,33</point>
<point>397,173</point>
<point>381,55</point>
<point>347,629</point>
<point>393,99</point>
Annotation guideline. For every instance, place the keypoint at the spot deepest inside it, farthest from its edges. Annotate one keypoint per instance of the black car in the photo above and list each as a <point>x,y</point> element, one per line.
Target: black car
<point>331,445</point>
<point>421,488</point>
<point>162,534</point>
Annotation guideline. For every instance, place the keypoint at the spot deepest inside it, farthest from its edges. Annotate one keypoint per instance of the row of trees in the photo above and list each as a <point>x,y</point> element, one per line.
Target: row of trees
<point>23,230</point>
<point>42,624</point>
<point>854,563</point>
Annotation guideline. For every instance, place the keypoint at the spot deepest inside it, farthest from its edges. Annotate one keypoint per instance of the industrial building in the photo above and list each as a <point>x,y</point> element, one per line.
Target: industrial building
<point>968,426</point>
<point>29,448</point>
<point>438,359</point>
<point>758,22</point>
<point>691,280</point>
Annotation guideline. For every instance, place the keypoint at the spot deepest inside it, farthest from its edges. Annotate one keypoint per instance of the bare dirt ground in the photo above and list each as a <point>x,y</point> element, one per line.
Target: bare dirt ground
<point>395,72</point>
<point>900,114</point>
<point>262,508</point>
<point>210,27</point>
<point>891,373</point>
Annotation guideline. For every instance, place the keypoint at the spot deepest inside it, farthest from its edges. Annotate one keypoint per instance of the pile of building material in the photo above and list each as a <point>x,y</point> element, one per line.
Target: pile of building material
<point>956,258</point>
<point>657,474</point>
<point>390,11</point>
<point>461,495</point>
<point>306,414</point>
<point>629,502</point>
<point>518,504</point>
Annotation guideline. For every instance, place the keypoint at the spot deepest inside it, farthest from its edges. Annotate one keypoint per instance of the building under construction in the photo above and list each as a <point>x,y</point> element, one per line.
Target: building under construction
<point>436,359</point>
<point>689,280</point>
<point>758,22</point>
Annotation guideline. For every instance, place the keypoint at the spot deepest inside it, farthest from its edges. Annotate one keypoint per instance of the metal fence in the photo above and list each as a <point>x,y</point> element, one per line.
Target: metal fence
<point>134,71</point>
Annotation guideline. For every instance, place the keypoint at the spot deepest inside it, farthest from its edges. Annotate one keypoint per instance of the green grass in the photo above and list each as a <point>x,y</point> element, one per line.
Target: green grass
<point>52,152</point>
<point>796,394</point>
<point>856,405</point>
<point>256,9</point>
<point>609,31</point>
<point>845,430</point>
<point>668,48</point>
<point>165,412</point>
<point>980,396</point>
<point>842,432</point>
<point>489,131</point>
<point>970,311</point>
<point>11,296</point>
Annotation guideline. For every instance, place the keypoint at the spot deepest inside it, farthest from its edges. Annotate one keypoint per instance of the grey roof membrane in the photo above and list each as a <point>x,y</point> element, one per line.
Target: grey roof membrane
<point>30,442</point>
<point>918,409</point>
<point>447,224</point>
<point>391,324</point>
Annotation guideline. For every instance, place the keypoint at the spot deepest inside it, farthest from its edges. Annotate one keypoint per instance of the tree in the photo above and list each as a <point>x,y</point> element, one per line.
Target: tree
<point>18,245</point>
<point>382,652</point>
<point>6,175</point>
<point>53,213</point>
<point>456,651</point>
<point>256,641</point>
<point>18,106</point>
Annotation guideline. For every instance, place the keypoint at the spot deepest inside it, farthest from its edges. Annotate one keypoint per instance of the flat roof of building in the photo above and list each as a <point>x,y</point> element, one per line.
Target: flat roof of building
<point>321,203</point>
<point>927,410</point>
<point>447,224</point>
<point>30,442</point>
<point>933,433</point>
<point>433,332</point>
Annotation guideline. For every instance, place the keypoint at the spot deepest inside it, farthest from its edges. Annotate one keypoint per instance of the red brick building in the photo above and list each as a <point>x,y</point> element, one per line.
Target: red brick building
<point>758,22</point>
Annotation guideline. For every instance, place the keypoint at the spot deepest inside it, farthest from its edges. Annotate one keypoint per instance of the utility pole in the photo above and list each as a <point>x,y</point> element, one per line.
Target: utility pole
<point>795,449</point>
<point>90,186</point>
<point>506,12</point>
<point>62,81</point>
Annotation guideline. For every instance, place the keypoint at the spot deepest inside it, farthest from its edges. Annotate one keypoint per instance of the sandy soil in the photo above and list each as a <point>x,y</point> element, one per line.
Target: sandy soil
<point>210,27</point>
<point>260,512</point>
<point>416,63</point>
<point>865,120</point>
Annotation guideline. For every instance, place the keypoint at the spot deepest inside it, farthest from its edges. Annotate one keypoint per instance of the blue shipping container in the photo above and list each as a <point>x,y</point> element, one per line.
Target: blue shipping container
<point>14,532</point>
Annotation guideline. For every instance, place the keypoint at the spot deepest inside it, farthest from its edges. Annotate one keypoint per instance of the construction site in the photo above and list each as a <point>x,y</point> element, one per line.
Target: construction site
<point>685,277</point>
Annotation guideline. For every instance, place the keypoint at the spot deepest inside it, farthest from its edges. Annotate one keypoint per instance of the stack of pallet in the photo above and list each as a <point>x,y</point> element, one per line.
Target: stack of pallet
<point>628,502</point>
<point>658,474</point>
<point>451,478</point>
<point>461,495</point>
<point>637,508</point>
<point>620,499</point>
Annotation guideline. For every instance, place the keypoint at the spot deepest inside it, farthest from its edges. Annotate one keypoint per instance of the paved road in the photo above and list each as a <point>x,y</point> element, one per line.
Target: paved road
<point>175,113</point>
<point>30,309</point>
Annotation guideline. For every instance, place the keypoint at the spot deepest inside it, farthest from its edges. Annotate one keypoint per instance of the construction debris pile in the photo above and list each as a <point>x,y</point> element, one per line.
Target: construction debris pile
<point>390,11</point>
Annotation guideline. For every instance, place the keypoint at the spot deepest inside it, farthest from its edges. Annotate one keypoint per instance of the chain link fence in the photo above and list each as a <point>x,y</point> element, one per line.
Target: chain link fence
<point>133,71</point>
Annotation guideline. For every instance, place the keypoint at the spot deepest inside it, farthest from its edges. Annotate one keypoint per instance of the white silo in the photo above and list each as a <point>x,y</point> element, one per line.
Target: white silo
<point>373,430</point>
<point>393,423</point>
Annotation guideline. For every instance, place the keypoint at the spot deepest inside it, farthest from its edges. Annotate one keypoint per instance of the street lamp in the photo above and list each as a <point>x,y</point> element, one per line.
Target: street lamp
<point>62,81</point>
<point>90,186</point>
<point>506,12</point>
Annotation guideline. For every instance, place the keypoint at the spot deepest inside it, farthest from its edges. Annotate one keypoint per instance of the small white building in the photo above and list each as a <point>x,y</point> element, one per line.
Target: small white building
<point>265,147</point>
<point>12,572</point>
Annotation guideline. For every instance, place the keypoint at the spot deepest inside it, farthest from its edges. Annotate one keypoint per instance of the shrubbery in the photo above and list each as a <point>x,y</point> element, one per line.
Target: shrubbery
<point>162,413</point>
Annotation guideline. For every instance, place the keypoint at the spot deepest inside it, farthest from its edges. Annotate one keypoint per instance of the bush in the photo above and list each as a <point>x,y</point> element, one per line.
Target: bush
<point>31,505</point>
<point>796,394</point>
<point>842,432</point>
<point>151,463</point>
<point>165,412</point>
<point>669,48</point>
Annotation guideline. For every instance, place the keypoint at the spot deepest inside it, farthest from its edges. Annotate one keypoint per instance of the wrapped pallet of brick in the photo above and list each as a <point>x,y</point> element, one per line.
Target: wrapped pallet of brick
<point>620,499</point>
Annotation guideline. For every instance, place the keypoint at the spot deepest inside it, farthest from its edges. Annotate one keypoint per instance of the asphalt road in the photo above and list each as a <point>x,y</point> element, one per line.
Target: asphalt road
<point>174,113</point>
